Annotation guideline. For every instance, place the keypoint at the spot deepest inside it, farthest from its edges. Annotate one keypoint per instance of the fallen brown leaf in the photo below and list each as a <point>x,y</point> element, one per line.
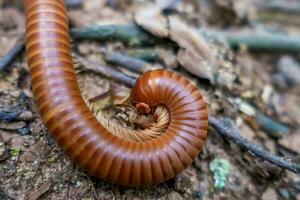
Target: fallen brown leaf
<point>33,153</point>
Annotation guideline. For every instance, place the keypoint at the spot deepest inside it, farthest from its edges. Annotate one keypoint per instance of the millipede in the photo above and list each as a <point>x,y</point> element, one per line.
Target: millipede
<point>146,159</point>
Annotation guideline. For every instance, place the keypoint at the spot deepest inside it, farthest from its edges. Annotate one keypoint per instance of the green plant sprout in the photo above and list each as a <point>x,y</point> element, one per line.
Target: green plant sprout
<point>220,169</point>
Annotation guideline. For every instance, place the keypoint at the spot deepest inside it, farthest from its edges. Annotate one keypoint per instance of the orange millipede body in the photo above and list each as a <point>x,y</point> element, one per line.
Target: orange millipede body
<point>77,131</point>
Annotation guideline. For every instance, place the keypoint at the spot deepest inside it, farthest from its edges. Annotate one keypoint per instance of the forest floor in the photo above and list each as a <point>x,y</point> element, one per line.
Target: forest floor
<point>257,86</point>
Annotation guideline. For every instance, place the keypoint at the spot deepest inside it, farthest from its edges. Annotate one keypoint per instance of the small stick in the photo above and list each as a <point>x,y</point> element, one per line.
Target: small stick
<point>9,57</point>
<point>127,33</point>
<point>282,7</point>
<point>146,54</point>
<point>256,40</point>
<point>128,62</point>
<point>106,71</point>
<point>227,129</point>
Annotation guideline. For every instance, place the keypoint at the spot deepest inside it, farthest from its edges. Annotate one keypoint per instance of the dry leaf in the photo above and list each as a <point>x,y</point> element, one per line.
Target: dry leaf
<point>33,153</point>
<point>151,19</point>
<point>194,54</point>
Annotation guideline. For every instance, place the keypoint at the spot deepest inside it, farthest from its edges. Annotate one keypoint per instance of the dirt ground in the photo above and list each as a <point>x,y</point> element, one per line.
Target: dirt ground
<point>258,89</point>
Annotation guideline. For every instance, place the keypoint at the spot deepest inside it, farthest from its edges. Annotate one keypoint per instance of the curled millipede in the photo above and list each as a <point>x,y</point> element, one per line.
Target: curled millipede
<point>76,130</point>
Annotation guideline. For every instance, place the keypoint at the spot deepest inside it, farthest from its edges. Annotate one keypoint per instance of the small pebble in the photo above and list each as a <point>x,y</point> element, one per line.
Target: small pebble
<point>290,69</point>
<point>284,193</point>
<point>24,131</point>
<point>198,195</point>
<point>26,116</point>
<point>77,184</point>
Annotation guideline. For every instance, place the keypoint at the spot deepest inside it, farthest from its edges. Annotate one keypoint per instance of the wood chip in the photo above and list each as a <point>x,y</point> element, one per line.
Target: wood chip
<point>12,125</point>
<point>40,191</point>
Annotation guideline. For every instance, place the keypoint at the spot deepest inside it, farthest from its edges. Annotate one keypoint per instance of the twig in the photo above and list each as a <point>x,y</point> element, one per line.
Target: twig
<point>273,127</point>
<point>150,54</point>
<point>291,8</point>
<point>95,193</point>
<point>106,71</point>
<point>74,3</point>
<point>128,33</point>
<point>128,62</point>
<point>8,58</point>
<point>256,40</point>
<point>227,129</point>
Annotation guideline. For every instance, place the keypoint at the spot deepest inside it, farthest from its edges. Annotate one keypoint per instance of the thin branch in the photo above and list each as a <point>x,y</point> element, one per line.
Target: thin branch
<point>106,71</point>
<point>256,40</point>
<point>127,33</point>
<point>291,8</point>
<point>227,129</point>
<point>9,57</point>
<point>133,64</point>
<point>146,54</point>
